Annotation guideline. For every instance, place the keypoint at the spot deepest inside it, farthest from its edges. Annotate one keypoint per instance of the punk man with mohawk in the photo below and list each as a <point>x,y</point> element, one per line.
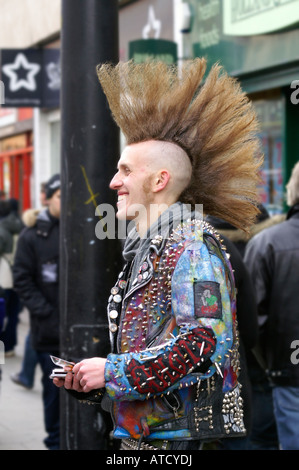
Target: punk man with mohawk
<point>171,380</point>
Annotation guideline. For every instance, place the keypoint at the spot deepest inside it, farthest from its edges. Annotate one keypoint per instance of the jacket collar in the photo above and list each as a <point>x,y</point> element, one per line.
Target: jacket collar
<point>293,212</point>
<point>45,222</point>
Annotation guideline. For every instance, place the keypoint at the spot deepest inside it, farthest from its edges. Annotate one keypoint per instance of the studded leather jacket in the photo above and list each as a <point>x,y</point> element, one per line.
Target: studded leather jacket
<point>173,370</point>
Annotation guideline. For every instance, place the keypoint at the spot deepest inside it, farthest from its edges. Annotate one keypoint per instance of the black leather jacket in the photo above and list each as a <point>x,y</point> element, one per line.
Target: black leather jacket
<point>272,258</point>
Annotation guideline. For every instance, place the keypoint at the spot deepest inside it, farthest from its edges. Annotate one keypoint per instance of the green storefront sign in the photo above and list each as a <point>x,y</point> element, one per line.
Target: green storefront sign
<point>246,36</point>
<point>253,17</point>
<point>157,49</point>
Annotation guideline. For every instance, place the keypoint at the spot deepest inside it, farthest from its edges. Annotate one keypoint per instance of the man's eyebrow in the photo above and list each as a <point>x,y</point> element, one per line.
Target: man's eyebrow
<point>122,165</point>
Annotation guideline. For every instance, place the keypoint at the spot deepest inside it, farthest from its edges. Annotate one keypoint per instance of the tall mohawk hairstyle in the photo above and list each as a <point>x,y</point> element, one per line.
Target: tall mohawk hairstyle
<point>214,122</point>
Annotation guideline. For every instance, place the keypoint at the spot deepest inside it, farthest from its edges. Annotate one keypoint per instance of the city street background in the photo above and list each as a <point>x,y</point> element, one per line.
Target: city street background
<point>21,412</point>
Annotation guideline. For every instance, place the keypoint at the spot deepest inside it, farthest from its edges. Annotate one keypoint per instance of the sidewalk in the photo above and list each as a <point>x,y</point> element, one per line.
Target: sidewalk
<point>21,411</point>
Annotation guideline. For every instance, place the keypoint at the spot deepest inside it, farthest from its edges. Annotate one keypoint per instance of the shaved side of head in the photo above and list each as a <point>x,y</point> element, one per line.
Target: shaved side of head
<point>162,155</point>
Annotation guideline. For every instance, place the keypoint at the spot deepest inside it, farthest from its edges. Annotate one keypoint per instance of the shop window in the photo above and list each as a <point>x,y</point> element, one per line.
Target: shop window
<point>270,110</point>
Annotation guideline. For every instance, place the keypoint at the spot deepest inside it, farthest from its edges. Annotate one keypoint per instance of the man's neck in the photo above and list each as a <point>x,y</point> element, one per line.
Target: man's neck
<point>152,215</point>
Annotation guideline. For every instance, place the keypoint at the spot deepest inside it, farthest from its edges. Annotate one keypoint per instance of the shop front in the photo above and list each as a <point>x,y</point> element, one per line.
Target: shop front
<point>257,42</point>
<point>16,154</point>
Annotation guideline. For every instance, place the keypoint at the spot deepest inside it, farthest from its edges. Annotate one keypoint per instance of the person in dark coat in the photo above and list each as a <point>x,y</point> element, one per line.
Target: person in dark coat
<point>272,258</point>
<point>10,226</point>
<point>36,281</point>
<point>25,377</point>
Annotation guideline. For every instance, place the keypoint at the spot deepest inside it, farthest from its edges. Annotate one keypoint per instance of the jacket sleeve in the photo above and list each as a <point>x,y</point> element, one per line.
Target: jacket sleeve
<point>201,307</point>
<point>258,258</point>
<point>246,301</point>
<point>24,274</point>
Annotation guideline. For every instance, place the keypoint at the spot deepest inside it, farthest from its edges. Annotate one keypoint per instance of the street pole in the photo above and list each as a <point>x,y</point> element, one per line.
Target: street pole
<point>90,149</point>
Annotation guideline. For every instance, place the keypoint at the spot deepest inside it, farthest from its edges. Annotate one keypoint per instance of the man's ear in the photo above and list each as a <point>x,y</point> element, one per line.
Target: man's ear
<point>161,180</point>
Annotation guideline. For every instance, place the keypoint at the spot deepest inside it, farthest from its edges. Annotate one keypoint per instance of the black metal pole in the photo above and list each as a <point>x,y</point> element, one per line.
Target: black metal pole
<point>90,149</point>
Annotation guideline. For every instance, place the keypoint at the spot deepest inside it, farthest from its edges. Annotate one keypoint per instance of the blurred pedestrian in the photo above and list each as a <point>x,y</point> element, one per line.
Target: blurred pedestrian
<point>272,258</point>
<point>25,377</point>
<point>36,280</point>
<point>10,226</point>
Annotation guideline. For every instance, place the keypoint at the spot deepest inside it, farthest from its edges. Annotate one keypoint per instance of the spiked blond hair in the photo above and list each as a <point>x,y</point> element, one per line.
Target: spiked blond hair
<point>293,187</point>
<point>213,122</point>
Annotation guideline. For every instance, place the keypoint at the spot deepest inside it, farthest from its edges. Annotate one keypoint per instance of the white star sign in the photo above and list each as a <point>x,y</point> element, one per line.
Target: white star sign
<point>11,70</point>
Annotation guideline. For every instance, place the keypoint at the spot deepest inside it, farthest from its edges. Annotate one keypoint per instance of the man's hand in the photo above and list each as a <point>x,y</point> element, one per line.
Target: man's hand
<point>87,375</point>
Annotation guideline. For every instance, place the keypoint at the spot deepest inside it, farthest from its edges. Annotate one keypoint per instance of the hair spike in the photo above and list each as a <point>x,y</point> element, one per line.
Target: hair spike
<point>214,122</point>
<point>293,186</point>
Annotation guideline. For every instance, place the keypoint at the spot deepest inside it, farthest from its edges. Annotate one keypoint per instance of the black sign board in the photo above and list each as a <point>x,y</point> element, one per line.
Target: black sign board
<point>31,77</point>
<point>51,78</point>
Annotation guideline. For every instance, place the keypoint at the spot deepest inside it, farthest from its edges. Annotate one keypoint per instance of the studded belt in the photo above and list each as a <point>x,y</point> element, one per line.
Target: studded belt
<point>134,444</point>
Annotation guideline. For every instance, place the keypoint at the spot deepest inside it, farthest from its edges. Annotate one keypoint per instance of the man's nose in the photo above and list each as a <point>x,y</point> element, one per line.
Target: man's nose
<point>115,183</point>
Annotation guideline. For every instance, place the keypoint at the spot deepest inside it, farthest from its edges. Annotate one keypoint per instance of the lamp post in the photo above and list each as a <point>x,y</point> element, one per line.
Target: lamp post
<point>90,148</point>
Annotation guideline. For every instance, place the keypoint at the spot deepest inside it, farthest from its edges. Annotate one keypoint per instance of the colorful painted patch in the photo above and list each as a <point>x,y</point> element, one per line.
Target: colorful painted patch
<point>207,299</point>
